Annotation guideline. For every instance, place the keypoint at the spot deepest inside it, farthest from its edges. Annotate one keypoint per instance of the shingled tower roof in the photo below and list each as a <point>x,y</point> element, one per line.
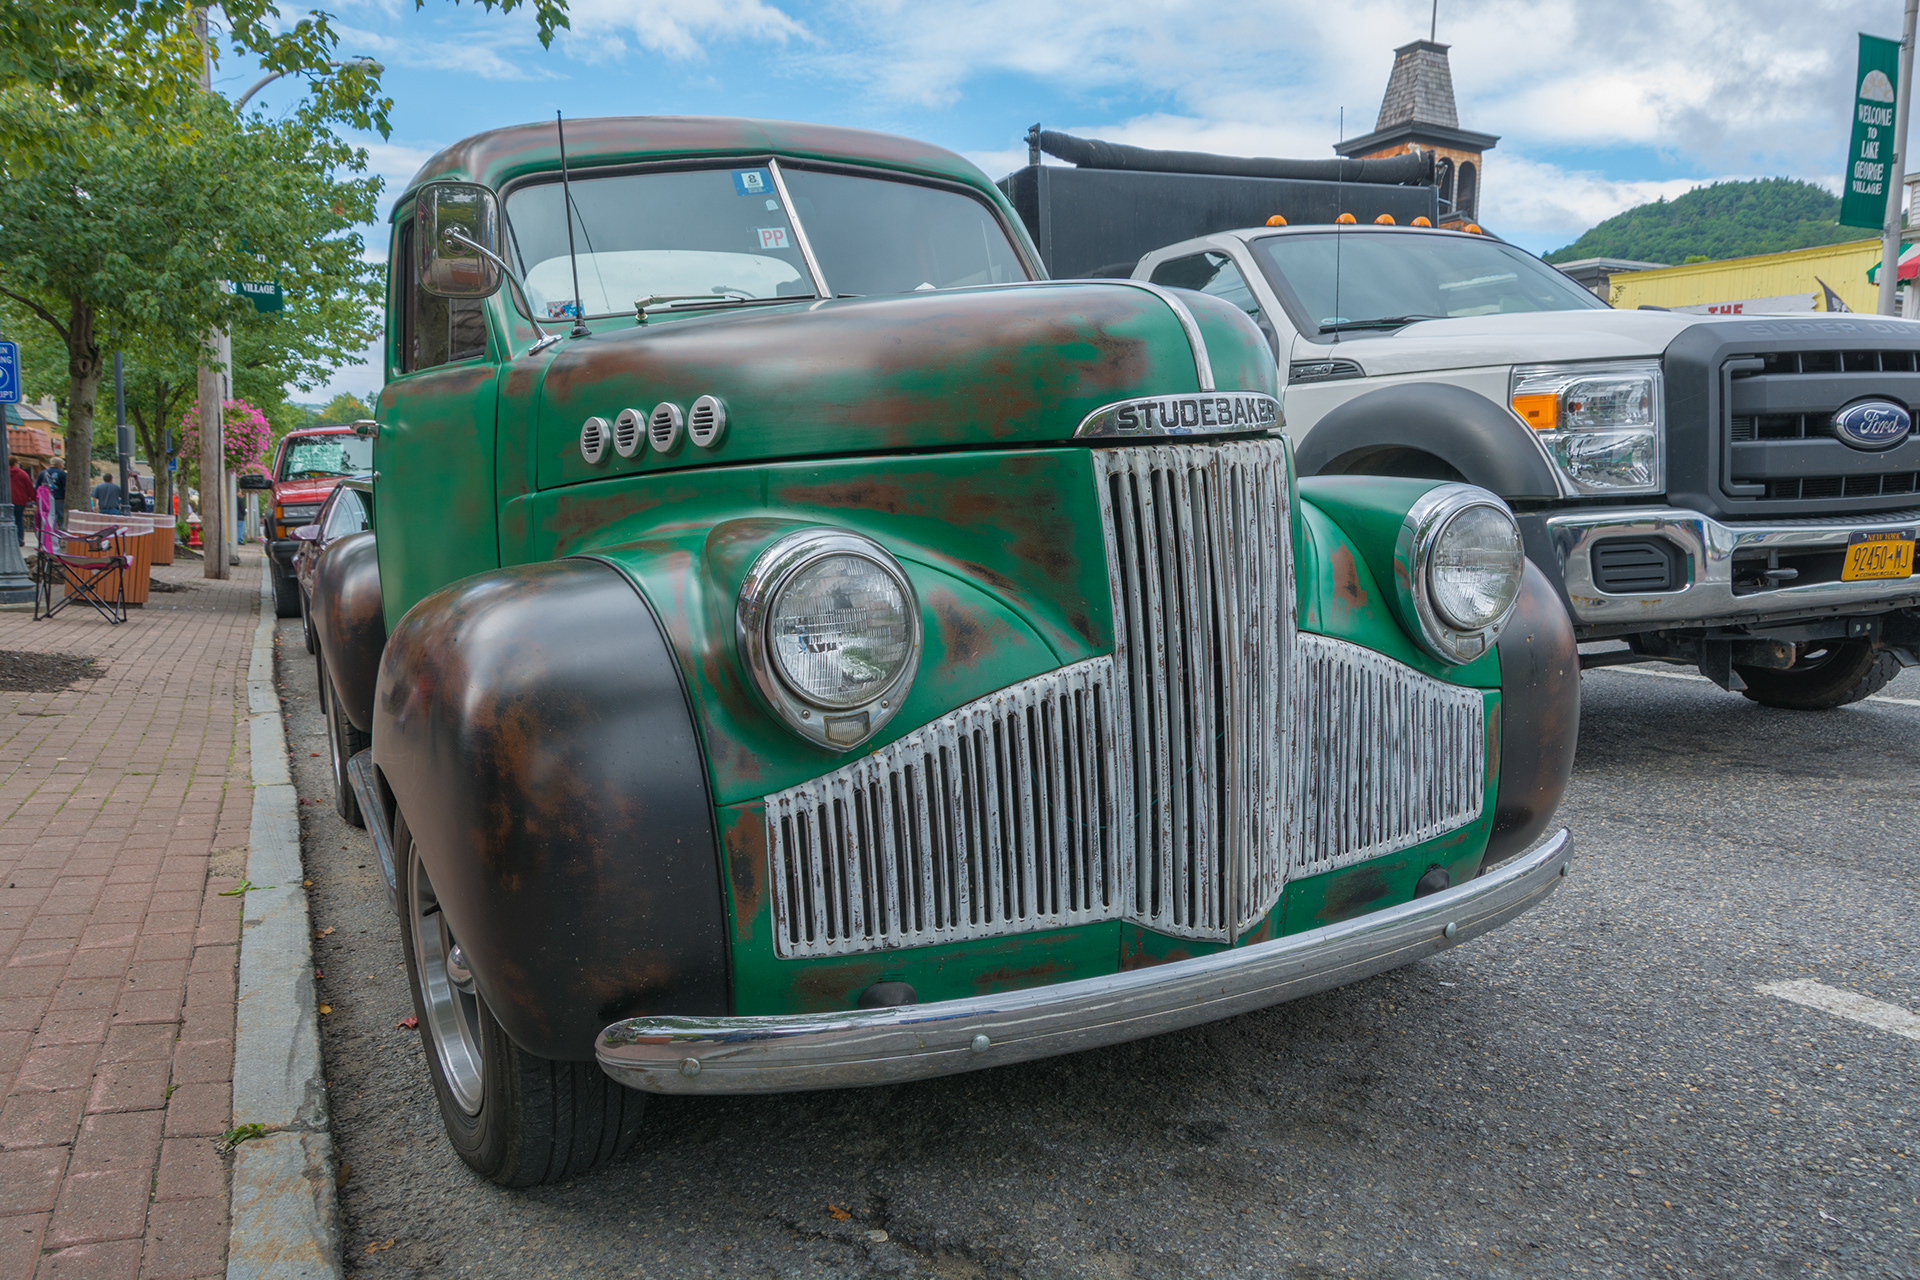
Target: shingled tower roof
<point>1420,90</point>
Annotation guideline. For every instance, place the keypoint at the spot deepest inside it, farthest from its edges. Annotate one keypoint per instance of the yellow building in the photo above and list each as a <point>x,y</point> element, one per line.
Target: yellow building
<point>1769,283</point>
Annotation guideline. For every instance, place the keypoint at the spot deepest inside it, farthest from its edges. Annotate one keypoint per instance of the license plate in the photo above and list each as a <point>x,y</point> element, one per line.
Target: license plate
<point>1879,555</point>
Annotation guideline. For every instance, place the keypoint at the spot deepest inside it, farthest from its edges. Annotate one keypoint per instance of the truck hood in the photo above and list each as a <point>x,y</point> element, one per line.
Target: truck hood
<point>1535,337</point>
<point>292,491</point>
<point>954,368</point>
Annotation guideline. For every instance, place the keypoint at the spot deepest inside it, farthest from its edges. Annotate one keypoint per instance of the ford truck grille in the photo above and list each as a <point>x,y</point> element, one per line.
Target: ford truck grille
<point>1172,783</point>
<point>1780,447</point>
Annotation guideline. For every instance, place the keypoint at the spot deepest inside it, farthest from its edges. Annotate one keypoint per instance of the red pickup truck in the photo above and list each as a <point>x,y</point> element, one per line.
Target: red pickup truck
<point>306,467</point>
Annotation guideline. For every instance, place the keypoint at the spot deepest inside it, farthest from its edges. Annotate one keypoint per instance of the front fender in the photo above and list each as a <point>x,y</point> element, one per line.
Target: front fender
<point>1482,441</point>
<point>533,729</point>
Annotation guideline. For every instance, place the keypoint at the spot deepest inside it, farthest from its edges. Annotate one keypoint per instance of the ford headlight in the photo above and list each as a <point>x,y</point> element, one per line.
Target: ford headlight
<point>829,630</point>
<point>1601,425</point>
<point>1459,569</point>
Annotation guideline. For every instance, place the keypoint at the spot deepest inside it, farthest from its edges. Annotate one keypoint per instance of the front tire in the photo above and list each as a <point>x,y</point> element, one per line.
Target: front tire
<point>306,622</point>
<point>286,594</point>
<point>1828,674</point>
<point>516,1119</point>
<point>344,742</point>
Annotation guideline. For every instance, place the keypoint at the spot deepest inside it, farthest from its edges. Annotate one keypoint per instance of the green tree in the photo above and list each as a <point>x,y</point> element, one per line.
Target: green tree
<point>146,55</point>
<point>1723,220</point>
<point>136,229</point>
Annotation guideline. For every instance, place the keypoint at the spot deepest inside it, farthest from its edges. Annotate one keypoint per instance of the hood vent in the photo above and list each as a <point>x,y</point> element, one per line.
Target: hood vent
<point>626,433</point>
<point>594,434</point>
<point>663,428</point>
<point>706,422</point>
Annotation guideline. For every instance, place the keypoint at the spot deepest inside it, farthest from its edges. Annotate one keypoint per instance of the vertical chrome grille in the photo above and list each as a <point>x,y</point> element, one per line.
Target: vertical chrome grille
<point>1380,756</point>
<point>996,818</point>
<point>1198,554</point>
<point>1178,782</point>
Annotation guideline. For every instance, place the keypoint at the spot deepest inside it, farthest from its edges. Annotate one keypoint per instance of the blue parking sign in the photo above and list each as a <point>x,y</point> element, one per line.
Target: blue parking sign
<point>9,373</point>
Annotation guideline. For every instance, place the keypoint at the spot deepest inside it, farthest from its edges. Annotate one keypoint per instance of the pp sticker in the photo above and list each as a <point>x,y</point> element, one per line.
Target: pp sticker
<point>752,182</point>
<point>772,237</point>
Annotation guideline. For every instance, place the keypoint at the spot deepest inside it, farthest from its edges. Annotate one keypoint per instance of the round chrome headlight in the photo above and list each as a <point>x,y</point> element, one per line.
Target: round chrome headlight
<point>1461,562</point>
<point>829,629</point>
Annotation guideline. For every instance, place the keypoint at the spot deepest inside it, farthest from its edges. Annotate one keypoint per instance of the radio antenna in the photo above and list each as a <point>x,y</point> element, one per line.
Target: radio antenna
<point>580,329</point>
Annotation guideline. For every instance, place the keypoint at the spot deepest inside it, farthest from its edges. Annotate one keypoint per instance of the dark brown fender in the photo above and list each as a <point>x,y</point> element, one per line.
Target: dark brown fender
<point>532,728</point>
<point>1539,716</point>
<point>348,620</point>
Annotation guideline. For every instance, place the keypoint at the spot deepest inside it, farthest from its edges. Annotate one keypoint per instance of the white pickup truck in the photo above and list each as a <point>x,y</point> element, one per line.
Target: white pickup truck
<point>1736,494</point>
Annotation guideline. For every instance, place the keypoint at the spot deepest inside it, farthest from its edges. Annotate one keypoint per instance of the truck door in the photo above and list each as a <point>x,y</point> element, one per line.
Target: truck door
<point>434,456</point>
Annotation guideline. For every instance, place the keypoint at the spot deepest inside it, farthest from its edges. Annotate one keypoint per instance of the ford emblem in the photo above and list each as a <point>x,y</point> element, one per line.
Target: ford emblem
<point>1872,424</point>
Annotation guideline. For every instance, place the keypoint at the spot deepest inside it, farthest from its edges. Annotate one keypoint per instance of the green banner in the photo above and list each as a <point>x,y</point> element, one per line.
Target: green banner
<point>1864,203</point>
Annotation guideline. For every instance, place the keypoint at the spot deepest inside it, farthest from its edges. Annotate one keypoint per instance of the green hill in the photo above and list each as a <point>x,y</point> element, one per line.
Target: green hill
<point>1724,220</point>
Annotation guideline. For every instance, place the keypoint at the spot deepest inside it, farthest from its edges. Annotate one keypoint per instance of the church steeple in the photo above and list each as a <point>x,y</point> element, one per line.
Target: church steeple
<point>1418,111</point>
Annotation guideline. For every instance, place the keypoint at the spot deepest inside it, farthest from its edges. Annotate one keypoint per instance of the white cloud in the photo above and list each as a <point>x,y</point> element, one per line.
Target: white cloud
<point>1531,198</point>
<point>681,28</point>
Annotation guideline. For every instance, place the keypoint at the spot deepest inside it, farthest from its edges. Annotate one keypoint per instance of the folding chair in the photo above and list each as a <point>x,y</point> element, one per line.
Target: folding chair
<point>60,578</point>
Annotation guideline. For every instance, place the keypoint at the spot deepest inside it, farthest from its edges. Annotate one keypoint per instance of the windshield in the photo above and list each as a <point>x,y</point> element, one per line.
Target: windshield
<point>312,456</point>
<point>725,232</point>
<point>1349,279</point>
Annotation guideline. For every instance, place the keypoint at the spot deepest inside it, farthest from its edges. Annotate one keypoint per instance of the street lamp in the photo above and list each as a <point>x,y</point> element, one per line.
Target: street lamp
<point>367,63</point>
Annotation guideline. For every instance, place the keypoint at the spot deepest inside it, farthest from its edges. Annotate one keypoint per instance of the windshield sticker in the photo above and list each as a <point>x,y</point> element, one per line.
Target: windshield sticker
<point>752,182</point>
<point>772,237</point>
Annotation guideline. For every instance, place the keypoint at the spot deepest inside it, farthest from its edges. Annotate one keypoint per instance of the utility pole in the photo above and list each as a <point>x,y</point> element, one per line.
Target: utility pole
<point>215,515</point>
<point>122,434</point>
<point>1897,169</point>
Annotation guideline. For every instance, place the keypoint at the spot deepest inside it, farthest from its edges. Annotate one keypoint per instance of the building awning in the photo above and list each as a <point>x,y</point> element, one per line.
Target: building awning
<point>1909,265</point>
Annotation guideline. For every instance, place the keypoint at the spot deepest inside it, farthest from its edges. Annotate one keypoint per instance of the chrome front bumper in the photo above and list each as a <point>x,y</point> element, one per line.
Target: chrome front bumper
<point>1708,597</point>
<point>787,1052</point>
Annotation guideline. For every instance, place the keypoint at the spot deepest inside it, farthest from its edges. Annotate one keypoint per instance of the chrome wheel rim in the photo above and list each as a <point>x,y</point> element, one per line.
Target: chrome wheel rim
<point>446,989</point>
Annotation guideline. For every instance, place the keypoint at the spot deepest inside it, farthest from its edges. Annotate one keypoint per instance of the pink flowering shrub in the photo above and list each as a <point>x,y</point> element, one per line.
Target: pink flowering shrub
<point>248,436</point>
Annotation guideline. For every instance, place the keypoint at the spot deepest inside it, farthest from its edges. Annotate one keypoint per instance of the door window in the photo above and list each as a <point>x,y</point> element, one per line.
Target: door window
<point>1212,273</point>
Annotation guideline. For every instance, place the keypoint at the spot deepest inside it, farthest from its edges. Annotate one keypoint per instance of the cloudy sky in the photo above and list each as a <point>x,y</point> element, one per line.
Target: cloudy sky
<point>1599,104</point>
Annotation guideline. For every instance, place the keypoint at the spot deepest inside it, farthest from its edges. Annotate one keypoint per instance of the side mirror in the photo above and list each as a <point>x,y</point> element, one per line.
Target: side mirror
<point>449,268</point>
<point>253,480</point>
<point>308,533</point>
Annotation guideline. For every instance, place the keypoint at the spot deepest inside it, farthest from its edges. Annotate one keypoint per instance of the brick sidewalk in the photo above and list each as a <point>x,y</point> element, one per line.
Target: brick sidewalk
<point>124,809</point>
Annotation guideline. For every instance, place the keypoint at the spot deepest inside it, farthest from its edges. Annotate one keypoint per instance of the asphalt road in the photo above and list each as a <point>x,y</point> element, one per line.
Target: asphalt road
<point>1597,1089</point>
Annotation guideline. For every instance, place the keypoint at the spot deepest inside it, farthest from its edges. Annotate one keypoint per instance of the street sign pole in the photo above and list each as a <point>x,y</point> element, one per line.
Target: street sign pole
<point>1890,230</point>
<point>15,586</point>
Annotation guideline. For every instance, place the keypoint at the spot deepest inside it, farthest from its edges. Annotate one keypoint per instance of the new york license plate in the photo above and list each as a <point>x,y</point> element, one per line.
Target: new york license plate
<point>1879,555</point>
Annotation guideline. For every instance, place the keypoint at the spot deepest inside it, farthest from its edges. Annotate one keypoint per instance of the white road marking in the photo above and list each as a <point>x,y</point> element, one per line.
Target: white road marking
<point>1688,675</point>
<point>1845,1004</point>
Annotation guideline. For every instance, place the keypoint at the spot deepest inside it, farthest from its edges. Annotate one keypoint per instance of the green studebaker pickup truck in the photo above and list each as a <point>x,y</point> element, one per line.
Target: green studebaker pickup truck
<point>799,646</point>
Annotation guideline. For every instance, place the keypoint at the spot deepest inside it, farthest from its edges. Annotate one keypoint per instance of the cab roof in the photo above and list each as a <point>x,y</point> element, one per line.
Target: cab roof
<point>501,155</point>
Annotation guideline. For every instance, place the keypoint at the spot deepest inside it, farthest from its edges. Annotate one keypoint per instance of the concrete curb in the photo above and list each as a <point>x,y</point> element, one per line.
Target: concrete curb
<point>285,1215</point>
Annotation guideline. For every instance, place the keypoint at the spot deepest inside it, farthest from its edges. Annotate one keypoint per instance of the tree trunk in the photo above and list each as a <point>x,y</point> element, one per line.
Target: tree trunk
<point>83,384</point>
<point>214,513</point>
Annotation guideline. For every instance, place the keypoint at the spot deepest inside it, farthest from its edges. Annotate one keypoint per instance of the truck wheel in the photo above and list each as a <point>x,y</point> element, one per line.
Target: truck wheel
<point>286,594</point>
<point>514,1118</point>
<point>1830,674</point>
<point>344,742</point>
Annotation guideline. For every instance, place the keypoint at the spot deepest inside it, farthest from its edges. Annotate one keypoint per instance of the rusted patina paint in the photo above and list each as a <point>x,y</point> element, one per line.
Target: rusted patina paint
<point>349,622</point>
<point>949,368</point>
<point>1346,579</point>
<point>994,981</point>
<point>555,791</point>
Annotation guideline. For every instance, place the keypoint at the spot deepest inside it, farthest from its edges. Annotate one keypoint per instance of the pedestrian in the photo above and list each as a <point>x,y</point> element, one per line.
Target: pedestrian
<point>21,485</point>
<point>106,497</point>
<point>55,478</point>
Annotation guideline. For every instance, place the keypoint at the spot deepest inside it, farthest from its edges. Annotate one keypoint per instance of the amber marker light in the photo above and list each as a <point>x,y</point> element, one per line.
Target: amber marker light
<point>1276,221</point>
<point>1384,220</point>
<point>1421,221</point>
<point>1473,228</point>
<point>1346,219</point>
<point>1539,411</point>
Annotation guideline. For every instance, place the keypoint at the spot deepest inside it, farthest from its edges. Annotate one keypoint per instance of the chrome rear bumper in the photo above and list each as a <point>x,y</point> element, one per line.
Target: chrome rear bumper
<point>788,1052</point>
